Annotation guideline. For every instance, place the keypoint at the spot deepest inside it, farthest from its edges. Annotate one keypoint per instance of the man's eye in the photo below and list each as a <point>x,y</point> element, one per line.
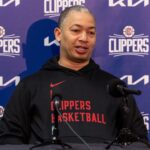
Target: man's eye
<point>75,30</point>
<point>92,33</point>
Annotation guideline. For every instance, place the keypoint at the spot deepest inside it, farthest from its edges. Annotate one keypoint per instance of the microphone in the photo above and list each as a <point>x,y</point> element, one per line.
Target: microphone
<point>57,99</point>
<point>55,128</point>
<point>118,88</point>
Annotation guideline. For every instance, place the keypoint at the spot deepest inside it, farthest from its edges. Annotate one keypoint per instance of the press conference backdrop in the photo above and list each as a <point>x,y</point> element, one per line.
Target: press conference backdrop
<point>123,33</point>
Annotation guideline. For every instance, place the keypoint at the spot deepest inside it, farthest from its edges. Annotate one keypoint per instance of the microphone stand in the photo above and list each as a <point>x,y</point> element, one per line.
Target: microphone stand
<point>55,134</point>
<point>125,136</point>
<point>55,131</point>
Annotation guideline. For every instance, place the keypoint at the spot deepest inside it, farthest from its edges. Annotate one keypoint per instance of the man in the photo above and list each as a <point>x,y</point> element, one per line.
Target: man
<point>78,82</point>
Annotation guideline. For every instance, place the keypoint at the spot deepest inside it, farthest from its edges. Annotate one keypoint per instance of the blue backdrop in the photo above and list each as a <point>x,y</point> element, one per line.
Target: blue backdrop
<point>122,48</point>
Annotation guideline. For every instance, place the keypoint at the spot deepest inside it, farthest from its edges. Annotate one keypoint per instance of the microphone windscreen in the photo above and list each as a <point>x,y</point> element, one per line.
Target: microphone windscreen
<point>112,87</point>
<point>57,100</point>
<point>57,96</point>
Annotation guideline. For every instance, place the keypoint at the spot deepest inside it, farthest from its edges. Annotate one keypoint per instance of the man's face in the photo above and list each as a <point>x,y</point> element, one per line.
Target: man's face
<point>77,37</point>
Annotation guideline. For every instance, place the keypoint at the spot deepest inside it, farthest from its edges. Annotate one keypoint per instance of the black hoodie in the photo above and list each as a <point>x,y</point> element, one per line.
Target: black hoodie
<point>84,102</point>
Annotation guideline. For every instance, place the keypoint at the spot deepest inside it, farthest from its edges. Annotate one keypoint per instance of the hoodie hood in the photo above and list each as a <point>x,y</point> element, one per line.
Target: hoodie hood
<point>52,64</point>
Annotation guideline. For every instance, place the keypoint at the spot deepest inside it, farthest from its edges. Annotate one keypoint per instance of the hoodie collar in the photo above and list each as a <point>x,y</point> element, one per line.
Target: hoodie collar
<point>52,64</point>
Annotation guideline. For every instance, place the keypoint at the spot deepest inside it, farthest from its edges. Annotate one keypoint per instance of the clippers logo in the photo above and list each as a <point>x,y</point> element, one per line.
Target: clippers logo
<point>15,80</point>
<point>128,31</point>
<point>4,4</point>
<point>1,111</point>
<point>52,8</point>
<point>128,3</point>
<point>129,79</point>
<point>129,43</point>
<point>9,44</point>
<point>48,43</point>
<point>146,120</point>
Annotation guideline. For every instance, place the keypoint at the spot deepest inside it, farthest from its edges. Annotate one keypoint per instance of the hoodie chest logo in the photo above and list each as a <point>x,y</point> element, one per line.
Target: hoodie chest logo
<point>52,85</point>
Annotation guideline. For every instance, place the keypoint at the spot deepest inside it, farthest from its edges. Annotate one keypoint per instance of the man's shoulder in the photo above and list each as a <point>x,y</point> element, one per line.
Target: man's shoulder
<point>33,78</point>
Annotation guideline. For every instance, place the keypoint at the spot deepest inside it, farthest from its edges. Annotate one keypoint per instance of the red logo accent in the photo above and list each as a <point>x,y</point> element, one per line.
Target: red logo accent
<point>56,84</point>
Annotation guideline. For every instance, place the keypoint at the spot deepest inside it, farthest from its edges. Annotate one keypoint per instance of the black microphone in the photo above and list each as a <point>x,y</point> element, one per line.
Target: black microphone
<point>57,99</point>
<point>118,88</point>
<point>55,129</point>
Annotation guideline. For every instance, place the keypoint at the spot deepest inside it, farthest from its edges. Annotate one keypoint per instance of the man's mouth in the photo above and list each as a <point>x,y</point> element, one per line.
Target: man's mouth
<point>81,49</point>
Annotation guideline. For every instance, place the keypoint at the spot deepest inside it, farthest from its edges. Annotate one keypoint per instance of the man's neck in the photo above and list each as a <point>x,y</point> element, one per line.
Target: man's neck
<point>72,65</point>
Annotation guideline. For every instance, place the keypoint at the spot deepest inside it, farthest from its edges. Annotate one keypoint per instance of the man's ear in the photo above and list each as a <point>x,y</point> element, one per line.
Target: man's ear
<point>57,32</point>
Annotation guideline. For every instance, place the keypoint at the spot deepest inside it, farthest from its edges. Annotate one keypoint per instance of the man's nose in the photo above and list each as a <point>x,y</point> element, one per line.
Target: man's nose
<point>83,37</point>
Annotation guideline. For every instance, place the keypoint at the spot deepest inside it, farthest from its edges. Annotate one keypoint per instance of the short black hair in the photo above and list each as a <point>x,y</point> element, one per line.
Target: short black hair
<point>65,13</point>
